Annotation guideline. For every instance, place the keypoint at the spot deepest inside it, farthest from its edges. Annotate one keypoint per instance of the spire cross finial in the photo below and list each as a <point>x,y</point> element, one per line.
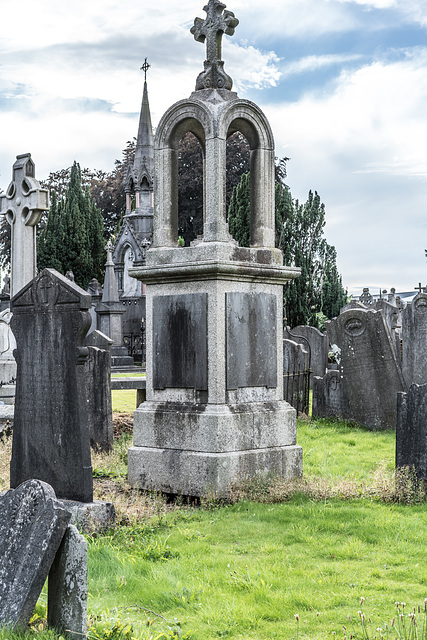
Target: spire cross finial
<point>145,68</point>
<point>212,29</point>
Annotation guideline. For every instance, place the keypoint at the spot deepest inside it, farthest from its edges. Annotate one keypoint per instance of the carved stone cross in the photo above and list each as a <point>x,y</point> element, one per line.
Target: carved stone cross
<point>23,206</point>
<point>212,29</point>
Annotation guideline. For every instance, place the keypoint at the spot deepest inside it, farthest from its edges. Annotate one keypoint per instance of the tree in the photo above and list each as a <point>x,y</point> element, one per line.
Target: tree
<point>73,237</point>
<point>299,234</point>
<point>239,211</point>
<point>190,180</point>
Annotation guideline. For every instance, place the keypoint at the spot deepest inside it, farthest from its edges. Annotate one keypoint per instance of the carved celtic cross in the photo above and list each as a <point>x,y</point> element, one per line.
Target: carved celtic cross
<point>212,29</point>
<point>23,205</point>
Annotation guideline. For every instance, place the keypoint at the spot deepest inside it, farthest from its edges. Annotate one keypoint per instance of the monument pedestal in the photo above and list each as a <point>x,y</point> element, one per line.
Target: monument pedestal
<point>215,411</point>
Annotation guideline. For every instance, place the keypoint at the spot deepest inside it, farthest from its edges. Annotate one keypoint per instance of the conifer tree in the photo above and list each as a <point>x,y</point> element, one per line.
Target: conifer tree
<point>300,236</point>
<point>239,211</point>
<point>73,238</point>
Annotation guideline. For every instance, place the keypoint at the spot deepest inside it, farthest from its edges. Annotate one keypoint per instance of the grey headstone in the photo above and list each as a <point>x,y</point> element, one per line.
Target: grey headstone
<point>296,375</point>
<point>67,587</point>
<point>414,341</point>
<point>179,341</point>
<point>328,396</point>
<point>371,376</point>
<point>50,436</point>
<point>251,334</point>
<point>32,525</point>
<point>318,343</point>
<point>99,406</point>
<point>411,430</point>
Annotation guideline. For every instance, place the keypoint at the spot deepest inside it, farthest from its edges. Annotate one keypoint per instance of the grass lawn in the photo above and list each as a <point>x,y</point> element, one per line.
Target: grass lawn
<point>244,570</point>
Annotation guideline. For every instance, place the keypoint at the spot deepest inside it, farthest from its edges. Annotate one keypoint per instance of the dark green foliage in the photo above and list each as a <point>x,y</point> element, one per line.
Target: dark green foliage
<point>73,236</point>
<point>190,180</point>
<point>299,234</point>
<point>239,211</point>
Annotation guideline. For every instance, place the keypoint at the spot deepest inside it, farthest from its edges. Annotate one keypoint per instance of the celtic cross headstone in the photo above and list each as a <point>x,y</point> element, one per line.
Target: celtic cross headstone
<point>211,30</point>
<point>23,205</point>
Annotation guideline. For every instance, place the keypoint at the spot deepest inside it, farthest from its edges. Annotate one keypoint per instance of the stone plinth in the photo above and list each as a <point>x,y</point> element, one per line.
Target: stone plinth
<point>214,411</point>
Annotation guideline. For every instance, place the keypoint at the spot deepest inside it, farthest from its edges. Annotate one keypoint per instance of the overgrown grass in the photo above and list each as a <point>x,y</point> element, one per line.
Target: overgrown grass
<point>310,548</point>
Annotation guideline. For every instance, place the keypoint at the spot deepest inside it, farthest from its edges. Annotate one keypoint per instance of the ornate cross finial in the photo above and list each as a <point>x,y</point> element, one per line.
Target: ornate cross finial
<point>212,29</point>
<point>145,68</point>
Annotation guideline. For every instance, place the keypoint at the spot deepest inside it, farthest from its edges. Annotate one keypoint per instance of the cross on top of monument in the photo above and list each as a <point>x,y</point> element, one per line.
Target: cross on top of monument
<point>211,30</point>
<point>420,288</point>
<point>23,204</point>
<point>145,68</point>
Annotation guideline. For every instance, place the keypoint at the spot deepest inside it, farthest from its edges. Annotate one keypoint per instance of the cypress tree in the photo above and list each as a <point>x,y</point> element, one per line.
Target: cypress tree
<point>73,236</point>
<point>239,212</point>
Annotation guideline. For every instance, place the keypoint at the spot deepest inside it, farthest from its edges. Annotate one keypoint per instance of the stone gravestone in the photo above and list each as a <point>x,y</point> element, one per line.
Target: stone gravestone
<point>50,436</point>
<point>23,205</point>
<point>67,587</point>
<point>98,381</point>
<point>411,430</point>
<point>318,343</point>
<point>296,375</point>
<point>215,410</point>
<point>369,372</point>
<point>32,525</point>
<point>414,341</point>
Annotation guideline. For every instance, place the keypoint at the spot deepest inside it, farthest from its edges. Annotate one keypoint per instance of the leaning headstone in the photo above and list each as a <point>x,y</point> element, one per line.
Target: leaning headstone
<point>370,374</point>
<point>32,525</point>
<point>50,435</point>
<point>67,587</point>
<point>98,381</point>
<point>411,430</point>
<point>414,341</point>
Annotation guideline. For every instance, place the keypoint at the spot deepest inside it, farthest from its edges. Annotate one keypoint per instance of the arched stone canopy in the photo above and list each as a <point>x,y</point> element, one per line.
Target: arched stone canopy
<point>212,123</point>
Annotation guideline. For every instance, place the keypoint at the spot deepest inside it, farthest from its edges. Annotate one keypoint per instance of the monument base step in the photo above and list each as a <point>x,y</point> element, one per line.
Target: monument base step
<point>90,517</point>
<point>193,473</point>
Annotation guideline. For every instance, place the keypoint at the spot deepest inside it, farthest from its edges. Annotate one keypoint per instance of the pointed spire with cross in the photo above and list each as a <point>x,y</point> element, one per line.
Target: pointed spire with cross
<point>211,30</point>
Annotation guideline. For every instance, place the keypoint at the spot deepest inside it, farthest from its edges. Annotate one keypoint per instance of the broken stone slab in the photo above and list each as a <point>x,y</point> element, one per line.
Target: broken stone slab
<point>67,587</point>
<point>89,517</point>
<point>32,525</point>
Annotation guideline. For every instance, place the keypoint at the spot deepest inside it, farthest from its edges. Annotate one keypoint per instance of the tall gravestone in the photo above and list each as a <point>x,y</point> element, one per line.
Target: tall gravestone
<point>411,430</point>
<point>50,436</point>
<point>215,410</point>
<point>414,341</point>
<point>369,374</point>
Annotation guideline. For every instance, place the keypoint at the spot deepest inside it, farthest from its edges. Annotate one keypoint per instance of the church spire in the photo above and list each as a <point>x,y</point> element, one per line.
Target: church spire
<point>144,151</point>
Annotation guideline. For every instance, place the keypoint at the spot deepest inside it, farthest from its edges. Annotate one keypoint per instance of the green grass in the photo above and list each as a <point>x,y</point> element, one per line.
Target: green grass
<point>339,449</point>
<point>124,400</point>
<point>245,571</point>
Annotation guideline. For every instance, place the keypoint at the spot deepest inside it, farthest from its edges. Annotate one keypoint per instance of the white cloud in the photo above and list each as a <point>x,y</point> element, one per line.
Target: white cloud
<point>363,149</point>
<point>313,63</point>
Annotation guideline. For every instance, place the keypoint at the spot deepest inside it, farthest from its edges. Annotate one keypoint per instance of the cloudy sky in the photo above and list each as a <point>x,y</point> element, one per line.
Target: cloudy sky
<point>343,83</point>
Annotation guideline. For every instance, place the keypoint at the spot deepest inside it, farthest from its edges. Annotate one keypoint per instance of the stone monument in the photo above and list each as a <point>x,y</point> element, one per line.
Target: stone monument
<point>214,409</point>
<point>23,205</point>
<point>50,434</point>
<point>110,311</point>
<point>411,431</point>
<point>369,378</point>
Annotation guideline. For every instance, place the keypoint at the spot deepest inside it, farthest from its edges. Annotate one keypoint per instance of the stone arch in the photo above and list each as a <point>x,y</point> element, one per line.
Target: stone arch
<point>183,117</point>
<point>249,120</point>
